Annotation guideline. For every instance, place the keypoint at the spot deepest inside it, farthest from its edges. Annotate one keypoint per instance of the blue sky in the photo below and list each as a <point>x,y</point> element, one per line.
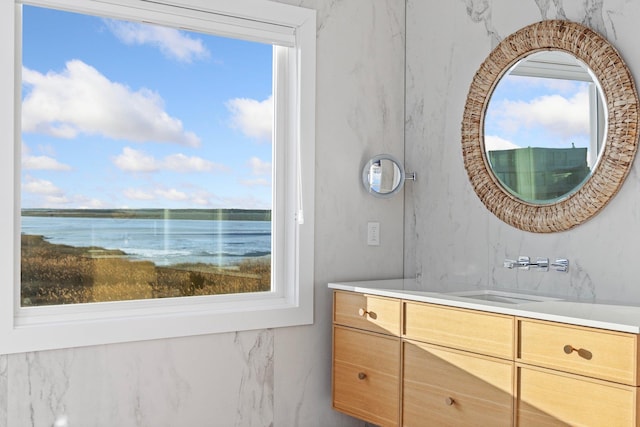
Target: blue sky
<point>537,112</point>
<point>124,115</point>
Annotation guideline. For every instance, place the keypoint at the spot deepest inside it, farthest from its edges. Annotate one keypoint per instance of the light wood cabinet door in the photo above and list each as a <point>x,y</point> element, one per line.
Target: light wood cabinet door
<point>375,314</point>
<point>592,352</point>
<point>475,331</point>
<point>444,387</point>
<point>551,398</point>
<point>366,375</point>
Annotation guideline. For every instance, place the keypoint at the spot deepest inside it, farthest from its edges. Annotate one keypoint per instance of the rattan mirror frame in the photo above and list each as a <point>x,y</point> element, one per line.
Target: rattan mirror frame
<point>622,133</point>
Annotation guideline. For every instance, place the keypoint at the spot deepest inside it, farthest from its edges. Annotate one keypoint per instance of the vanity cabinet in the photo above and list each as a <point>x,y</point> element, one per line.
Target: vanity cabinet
<point>572,375</point>
<point>552,398</point>
<point>366,357</point>
<point>457,367</point>
<point>597,353</point>
<point>370,313</point>
<point>402,362</point>
<point>446,387</point>
<point>475,331</point>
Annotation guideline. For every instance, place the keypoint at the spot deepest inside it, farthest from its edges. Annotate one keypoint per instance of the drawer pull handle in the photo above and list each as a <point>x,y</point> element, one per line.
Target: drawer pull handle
<point>363,313</point>
<point>362,375</point>
<point>585,354</point>
<point>449,401</point>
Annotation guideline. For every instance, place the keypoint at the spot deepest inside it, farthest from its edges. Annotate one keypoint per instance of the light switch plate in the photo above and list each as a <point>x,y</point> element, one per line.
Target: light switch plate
<point>373,233</point>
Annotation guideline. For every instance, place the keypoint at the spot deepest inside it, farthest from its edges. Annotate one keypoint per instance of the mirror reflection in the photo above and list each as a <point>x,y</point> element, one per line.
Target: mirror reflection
<point>383,176</point>
<point>544,127</point>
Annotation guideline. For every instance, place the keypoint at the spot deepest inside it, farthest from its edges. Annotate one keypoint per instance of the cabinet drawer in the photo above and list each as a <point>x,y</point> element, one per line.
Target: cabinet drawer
<point>592,352</point>
<point>551,398</point>
<point>476,331</point>
<point>366,375</point>
<point>444,387</point>
<point>376,314</point>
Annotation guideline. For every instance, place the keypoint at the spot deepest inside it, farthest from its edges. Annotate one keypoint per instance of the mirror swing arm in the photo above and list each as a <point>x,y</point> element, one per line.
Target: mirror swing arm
<point>620,146</point>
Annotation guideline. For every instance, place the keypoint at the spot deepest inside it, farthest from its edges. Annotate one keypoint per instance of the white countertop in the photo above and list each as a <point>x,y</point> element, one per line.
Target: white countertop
<point>605,316</point>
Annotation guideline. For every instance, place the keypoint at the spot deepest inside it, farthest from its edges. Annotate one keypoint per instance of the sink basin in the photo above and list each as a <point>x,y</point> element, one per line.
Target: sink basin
<point>501,296</point>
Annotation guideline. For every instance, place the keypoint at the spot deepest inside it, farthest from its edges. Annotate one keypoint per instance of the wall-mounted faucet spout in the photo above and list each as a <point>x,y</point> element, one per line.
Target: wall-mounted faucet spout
<point>510,263</point>
<point>524,263</point>
<point>541,264</point>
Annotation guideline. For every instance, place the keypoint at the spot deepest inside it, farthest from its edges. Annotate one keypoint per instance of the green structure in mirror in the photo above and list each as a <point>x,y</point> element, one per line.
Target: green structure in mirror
<point>539,174</point>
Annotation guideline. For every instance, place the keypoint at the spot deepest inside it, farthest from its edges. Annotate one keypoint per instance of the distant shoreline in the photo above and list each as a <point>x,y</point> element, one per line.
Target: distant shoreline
<point>182,214</point>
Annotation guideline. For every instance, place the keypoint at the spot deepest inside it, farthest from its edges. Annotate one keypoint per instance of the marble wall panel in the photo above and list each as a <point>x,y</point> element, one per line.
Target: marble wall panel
<point>220,380</point>
<point>3,389</point>
<point>451,240</point>
<point>360,113</point>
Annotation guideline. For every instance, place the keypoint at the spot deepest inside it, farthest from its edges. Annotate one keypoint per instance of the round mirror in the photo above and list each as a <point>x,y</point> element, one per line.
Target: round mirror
<point>548,160</point>
<point>383,176</point>
<point>544,127</point>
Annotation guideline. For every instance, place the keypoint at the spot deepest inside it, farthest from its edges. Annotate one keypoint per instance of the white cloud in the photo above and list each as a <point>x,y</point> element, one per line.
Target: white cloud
<point>173,43</point>
<point>56,200</point>
<point>201,199</point>
<point>193,196</point>
<point>40,186</point>
<point>259,167</point>
<point>197,197</point>
<point>86,203</point>
<point>30,162</point>
<point>492,143</point>
<point>253,118</point>
<point>136,194</point>
<point>181,163</point>
<point>131,160</point>
<point>135,161</point>
<point>46,194</point>
<point>43,163</point>
<point>46,191</point>
<point>244,202</point>
<point>172,194</point>
<point>80,100</point>
<point>258,182</point>
<point>558,115</point>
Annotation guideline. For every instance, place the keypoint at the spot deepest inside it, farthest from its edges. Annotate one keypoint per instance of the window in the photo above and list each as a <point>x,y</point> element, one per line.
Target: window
<point>148,176</point>
<point>130,177</point>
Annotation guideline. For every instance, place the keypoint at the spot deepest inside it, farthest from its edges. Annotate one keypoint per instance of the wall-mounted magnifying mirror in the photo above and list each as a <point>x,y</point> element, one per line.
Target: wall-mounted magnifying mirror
<point>383,176</point>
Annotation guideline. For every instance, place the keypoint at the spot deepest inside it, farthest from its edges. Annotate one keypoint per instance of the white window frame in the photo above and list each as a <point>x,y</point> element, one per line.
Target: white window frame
<point>290,302</point>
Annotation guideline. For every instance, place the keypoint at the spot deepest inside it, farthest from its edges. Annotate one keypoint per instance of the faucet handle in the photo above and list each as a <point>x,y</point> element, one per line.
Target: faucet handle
<point>522,263</point>
<point>561,264</point>
<point>510,263</point>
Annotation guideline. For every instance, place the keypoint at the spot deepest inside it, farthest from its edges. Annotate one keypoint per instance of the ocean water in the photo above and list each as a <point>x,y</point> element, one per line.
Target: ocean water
<point>164,242</point>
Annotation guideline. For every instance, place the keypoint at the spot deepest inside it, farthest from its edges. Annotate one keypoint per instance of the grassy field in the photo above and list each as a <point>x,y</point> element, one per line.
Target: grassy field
<point>59,274</point>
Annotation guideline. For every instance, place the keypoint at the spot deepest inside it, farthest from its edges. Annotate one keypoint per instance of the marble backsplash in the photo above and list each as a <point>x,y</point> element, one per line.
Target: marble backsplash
<point>451,240</point>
